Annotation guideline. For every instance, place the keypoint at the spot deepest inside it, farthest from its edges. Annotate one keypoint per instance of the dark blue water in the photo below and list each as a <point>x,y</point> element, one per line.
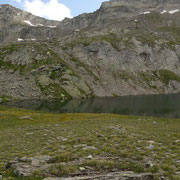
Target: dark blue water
<point>149,105</point>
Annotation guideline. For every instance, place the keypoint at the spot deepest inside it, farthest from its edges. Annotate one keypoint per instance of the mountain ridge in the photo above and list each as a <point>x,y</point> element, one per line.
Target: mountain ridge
<point>116,50</point>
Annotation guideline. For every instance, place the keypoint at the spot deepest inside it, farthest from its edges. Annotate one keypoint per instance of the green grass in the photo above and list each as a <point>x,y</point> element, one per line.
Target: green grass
<point>154,18</point>
<point>110,38</point>
<point>124,75</point>
<point>54,75</point>
<point>8,49</point>
<point>100,164</point>
<point>63,170</point>
<point>9,65</point>
<point>167,75</point>
<point>114,141</point>
<point>173,30</point>
<point>148,78</point>
<point>54,90</point>
<point>163,75</point>
<point>47,56</point>
<point>64,157</point>
<point>5,98</point>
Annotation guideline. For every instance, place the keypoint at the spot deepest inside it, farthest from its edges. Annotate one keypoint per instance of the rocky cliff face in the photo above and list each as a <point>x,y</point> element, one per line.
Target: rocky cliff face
<point>127,47</point>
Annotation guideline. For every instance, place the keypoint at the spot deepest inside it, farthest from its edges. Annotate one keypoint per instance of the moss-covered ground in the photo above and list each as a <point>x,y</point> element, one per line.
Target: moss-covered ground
<point>115,142</point>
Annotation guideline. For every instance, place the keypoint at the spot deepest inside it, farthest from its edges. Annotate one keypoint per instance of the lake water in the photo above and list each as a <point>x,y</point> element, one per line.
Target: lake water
<point>148,105</point>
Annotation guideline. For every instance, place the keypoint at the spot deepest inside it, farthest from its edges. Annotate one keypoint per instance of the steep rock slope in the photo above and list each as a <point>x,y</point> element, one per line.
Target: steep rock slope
<point>124,48</point>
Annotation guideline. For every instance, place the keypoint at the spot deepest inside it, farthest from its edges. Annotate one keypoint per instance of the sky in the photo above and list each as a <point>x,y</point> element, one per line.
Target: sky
<point>56,9</point>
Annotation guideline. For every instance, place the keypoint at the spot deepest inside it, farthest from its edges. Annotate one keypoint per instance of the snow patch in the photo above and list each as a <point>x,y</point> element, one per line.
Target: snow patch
<point>77,30</point>
<point>173,11</point>
<point>40,25</point>
<point>147,12</point>
<point>28,22</point>
<point>136,20</point>
<point>20,40</point>
<point>51,26</point>
<point>33,39</point>
<point>163,12</point>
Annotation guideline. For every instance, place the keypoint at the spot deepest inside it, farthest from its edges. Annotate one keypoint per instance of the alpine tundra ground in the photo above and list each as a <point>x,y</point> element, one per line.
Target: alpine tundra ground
<point>83,144</point>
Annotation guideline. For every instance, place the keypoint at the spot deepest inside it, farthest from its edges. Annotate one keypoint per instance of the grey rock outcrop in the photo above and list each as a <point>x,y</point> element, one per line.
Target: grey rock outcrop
<point>26,167</point>
<point>117,175</point>
<point>125,48</point>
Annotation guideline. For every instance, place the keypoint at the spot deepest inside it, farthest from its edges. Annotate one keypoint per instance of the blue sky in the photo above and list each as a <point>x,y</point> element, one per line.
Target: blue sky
<point>56,9</point>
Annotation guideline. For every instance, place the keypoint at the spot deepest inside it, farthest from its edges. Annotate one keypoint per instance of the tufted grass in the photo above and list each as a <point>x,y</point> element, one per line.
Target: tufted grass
<point>114,141</point>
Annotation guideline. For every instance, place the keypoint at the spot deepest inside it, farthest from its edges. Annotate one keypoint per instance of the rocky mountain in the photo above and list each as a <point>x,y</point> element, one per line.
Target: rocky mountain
<point>127,47</point>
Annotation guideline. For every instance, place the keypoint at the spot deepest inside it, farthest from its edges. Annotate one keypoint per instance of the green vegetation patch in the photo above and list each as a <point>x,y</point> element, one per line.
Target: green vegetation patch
<point>153,39</point>
<point>38,53</point>
<point>167,75</point>
<point>9,65</point>
<point>124,75</point>
<point>173,30</point>
<point>4,99</point>
<point>83,143</point>
<point>47,60</point>
<point>163,75</point>
<point>154,17</point>
<point>100,164</point>
<point>148,78</point>
<point>63,170</point>
<point>147,39</point>
<point>111,38</point>
<point>64,157</point>
<point>9,49</point>
<point>54,90</point>
<point>54,75</point>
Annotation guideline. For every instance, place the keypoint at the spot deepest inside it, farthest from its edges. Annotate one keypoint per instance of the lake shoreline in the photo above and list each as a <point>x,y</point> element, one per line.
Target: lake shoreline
<point>148,105</point>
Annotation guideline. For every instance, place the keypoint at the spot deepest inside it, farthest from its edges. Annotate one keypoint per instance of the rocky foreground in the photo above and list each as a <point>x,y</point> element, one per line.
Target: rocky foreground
<point>37,145</point>
<point>124,48</point>
<point>25,167</point>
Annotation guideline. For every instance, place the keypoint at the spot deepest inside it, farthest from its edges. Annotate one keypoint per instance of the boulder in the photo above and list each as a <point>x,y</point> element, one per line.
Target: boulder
<point>44,80</point>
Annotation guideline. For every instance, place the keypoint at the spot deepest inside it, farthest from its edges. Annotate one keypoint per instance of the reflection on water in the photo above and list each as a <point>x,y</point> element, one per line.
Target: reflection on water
<point>151,105</point>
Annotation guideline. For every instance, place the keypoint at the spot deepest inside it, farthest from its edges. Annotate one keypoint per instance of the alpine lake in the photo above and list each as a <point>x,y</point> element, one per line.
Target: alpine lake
<point>146,105</point>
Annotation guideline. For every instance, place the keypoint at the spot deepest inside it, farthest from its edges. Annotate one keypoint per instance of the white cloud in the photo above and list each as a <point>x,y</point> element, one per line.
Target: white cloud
<point>51,10</point>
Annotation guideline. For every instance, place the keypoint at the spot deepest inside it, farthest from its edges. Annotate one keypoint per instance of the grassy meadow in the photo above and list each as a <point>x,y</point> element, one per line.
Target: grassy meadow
<point>91,142</point>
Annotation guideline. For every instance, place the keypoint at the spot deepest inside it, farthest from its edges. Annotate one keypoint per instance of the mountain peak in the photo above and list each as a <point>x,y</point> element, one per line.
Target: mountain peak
<point>143,3</point>
<point>130,8</point>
